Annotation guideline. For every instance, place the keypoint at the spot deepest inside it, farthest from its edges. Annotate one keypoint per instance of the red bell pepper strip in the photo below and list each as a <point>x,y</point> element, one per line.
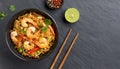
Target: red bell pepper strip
<point>21,37</point>
<point>33,50</point>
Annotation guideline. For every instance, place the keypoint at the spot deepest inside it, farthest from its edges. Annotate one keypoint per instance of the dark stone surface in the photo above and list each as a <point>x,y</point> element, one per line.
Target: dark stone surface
<point>98,46</point>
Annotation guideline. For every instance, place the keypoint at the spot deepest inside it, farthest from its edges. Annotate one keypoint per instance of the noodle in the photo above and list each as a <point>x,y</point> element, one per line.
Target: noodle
<point>32,34</point>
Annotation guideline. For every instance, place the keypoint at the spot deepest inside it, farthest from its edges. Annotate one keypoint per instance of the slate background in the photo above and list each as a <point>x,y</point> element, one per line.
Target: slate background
<point>98,46</point>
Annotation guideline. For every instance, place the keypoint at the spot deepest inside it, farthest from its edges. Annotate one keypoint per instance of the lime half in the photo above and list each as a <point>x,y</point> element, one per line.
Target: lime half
<point>72,15</point>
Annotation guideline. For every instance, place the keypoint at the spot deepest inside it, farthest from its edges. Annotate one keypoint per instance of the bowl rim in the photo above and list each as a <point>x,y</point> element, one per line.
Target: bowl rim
<point>22,12</point>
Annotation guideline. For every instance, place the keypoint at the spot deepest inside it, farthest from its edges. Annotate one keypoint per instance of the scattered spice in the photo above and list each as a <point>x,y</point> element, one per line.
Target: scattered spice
<point>55,3</point>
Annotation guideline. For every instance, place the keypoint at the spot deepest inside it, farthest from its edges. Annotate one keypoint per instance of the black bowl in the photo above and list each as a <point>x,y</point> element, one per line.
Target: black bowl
<point>10,44</point>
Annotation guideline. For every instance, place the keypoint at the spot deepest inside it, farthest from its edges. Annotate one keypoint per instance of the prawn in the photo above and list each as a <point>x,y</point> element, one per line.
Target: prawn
<point>28,46</point>
<point>17,24</point>
<point>28,20</point>
<point>42,43</point>
<point>30,32</point>
<point>13,35</point>
<point>37,34</point>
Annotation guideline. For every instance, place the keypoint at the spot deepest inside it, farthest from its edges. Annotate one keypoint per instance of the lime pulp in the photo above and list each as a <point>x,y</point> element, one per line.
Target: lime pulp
<point>72,15</point>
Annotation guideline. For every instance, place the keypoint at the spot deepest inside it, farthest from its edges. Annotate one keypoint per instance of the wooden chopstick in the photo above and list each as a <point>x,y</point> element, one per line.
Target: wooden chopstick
<point>68,51</point>
<point>60,50</point>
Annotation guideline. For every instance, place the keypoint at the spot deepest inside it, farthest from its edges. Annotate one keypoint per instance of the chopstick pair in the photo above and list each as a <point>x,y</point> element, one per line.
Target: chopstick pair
<point>67,53</point>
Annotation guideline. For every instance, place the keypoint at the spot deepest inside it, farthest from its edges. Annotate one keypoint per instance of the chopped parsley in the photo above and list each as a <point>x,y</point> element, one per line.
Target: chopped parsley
<point>12,8</point>
<point>44,29</point>
<point>3,15</point>
<point>20,50</point>
<point>48,21</point>
<point>38,52</point>
<point>23,30</point>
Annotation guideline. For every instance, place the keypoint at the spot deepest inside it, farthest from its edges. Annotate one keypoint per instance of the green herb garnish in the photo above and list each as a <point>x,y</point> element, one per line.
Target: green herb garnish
<point>48,21</point>
<point>38,52</point>
<point>49,39</point>
<point>40,26</point>
<point>44,29</point>
<point>23,30</point>
<point>2,15</point>
<point>12,8</point>
<point>20,50</point>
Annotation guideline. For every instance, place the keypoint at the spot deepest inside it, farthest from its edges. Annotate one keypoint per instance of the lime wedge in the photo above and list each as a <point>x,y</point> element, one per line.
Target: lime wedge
<point>72,15</point>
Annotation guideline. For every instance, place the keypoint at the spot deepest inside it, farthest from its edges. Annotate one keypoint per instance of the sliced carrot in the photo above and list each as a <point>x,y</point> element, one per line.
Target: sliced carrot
<point>51,30</point>
<point>19,39</point>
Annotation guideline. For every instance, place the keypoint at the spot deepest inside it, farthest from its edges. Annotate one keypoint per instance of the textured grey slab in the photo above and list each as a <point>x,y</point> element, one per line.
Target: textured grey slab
<point>97,47</point>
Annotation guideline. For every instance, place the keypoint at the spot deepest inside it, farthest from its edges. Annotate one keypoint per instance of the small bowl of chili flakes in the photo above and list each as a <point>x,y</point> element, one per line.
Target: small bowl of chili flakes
<point>54,4</point>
